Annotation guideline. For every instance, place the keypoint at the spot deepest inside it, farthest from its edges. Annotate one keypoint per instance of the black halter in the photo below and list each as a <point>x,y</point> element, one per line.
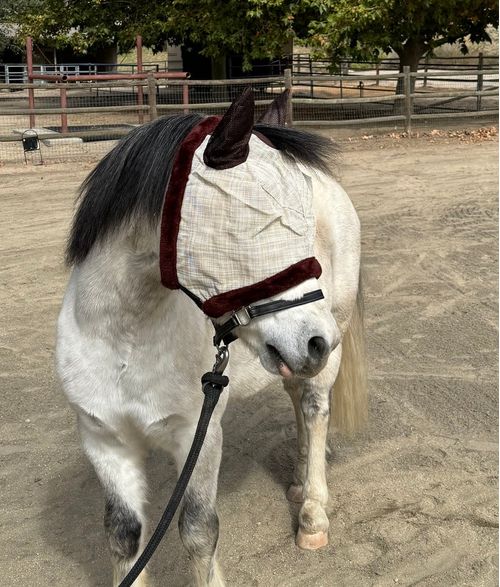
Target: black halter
<point>243,316</point>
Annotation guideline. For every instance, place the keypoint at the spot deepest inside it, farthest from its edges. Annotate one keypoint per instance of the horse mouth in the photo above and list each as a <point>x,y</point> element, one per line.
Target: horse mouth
<point>283,369</point>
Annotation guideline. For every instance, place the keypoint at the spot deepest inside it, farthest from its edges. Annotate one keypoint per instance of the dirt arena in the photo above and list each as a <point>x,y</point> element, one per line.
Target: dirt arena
<point>413,499</point>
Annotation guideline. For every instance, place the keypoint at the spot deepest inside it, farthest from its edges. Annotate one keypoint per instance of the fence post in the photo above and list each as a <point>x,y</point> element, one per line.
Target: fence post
<point>153,112</point>
<point>311,83</point>
<point>31,91</point>
<point>289,108</point>
<point>64,104</point>
<point>426,69</point>
<point>140,91</point>
<point>185,98</point>
<point>479,86</point>
<point>408,100</point>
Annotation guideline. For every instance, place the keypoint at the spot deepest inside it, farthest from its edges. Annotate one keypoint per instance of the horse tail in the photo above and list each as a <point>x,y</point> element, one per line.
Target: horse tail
<point>350,398</point>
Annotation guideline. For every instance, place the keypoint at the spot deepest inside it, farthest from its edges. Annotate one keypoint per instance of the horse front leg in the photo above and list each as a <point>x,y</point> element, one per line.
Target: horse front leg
<point>198,520</point>
<point>311,400</point>
<point>295,492</point>
<point>119,468</point>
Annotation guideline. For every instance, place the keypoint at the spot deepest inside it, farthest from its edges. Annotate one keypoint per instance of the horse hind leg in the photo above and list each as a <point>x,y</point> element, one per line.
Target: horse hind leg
<point>119,468</point>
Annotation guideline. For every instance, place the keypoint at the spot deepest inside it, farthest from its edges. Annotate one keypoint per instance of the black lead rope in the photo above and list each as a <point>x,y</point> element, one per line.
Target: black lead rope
<point>213,384</point>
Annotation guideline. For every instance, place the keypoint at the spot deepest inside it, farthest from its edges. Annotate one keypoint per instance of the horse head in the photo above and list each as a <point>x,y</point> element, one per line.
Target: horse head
<point>244,232</point>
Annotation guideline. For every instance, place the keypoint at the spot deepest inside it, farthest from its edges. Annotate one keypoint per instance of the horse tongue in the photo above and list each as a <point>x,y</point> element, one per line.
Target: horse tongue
<point>284,370</point>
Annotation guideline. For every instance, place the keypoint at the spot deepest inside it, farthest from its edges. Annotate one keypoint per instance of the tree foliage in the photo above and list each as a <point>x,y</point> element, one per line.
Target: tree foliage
<point>9,10</point>
<point>364,29</point>
<point>259,28</point>
<point>81,24</point>
<point>251,28</point>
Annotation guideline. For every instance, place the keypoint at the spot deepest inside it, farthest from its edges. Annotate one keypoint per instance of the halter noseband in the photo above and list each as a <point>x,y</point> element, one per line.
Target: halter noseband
<point>243,316</point>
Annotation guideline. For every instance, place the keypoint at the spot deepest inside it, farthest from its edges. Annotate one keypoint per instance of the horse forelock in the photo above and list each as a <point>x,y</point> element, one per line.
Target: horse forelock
<point>128,183</point>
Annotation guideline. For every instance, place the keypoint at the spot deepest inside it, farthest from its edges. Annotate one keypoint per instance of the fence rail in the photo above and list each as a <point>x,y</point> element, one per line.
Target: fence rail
<point>80,113</point>
<point>17,73</point>
<point>301,63</point>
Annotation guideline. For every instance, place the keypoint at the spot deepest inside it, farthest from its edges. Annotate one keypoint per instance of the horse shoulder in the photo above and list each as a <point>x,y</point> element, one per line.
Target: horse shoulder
<point>124,341</point>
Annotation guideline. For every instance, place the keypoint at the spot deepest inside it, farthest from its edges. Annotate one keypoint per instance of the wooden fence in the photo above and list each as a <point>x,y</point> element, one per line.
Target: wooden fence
<point>400,99</point>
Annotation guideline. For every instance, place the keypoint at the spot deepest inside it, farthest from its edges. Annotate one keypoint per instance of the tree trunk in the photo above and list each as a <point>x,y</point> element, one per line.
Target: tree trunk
<point>409,54</point>
<point>219,71</point>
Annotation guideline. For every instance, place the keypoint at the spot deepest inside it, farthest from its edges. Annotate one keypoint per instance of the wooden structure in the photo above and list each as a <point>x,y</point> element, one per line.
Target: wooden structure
<point>98,77</point>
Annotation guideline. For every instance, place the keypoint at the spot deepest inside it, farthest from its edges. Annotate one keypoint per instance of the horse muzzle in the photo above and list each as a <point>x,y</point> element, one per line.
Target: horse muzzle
<point>305,364</point>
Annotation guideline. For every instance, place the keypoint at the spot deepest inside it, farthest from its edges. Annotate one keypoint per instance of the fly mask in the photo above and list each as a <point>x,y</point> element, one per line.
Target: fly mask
<point>237,223</point>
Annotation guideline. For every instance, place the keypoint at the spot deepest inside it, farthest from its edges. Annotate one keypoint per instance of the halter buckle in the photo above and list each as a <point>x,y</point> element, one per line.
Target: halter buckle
<point>242,316</point>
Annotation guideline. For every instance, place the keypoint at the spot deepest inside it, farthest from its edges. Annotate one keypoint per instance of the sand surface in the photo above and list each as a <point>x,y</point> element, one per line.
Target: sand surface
<point>412,499</point>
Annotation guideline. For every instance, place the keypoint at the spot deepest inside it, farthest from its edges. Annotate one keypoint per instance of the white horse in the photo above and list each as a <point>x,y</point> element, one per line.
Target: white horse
<point>130,352</point>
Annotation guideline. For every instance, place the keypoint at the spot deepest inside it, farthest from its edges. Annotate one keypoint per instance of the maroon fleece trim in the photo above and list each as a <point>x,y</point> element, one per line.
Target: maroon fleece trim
<point>171,215</point>
<point>237,298</point>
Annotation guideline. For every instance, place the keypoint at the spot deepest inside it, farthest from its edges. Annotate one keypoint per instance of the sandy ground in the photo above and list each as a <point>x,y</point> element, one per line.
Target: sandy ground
<point>412,499</point>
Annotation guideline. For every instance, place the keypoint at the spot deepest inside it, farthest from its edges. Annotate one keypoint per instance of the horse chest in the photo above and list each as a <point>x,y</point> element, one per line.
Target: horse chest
<point>132,366</point>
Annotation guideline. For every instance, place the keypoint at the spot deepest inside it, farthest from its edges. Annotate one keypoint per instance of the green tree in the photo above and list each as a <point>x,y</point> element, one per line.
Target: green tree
<point>261,28</point>
<point>79,24</point>
<point>9,10</point>
<point>251,28</point>
<point>364,29</point>
<point>254,29</point>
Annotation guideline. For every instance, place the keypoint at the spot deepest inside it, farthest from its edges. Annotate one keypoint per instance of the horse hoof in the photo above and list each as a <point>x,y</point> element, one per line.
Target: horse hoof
<point>294,493</point>
<point>311,541</point>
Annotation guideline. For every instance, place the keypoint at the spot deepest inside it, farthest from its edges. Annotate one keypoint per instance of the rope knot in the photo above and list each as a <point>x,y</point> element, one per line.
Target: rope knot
<point>215,379</point>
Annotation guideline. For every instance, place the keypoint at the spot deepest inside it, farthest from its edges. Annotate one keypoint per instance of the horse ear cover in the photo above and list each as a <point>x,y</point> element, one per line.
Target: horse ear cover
<point>228,145</point>
<point>275,114</point>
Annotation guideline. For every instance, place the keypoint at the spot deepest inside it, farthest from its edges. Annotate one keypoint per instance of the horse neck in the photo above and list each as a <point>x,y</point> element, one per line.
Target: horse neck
<point>118,286</point>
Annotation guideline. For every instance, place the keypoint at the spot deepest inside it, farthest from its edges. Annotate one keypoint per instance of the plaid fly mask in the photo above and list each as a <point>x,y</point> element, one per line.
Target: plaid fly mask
<point>237,222</point>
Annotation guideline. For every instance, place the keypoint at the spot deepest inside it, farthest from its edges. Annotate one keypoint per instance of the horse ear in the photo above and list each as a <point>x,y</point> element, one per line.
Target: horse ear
<point>228,145</point>
<point>276,112</point>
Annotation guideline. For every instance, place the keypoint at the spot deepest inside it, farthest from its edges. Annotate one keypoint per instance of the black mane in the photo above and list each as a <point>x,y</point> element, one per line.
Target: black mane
<point>130,181</point>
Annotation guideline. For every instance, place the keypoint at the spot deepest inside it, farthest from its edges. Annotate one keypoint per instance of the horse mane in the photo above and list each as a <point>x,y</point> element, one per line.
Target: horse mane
<point>130,181</point>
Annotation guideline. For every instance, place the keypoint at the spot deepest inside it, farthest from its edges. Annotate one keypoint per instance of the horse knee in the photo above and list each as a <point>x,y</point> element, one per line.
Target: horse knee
<point>198,525</point>
<point>315,403</point>
<point>123,529</point>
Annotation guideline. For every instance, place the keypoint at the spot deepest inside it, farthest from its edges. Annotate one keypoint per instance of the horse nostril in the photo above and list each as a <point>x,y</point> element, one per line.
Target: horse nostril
<point>317,347</point>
